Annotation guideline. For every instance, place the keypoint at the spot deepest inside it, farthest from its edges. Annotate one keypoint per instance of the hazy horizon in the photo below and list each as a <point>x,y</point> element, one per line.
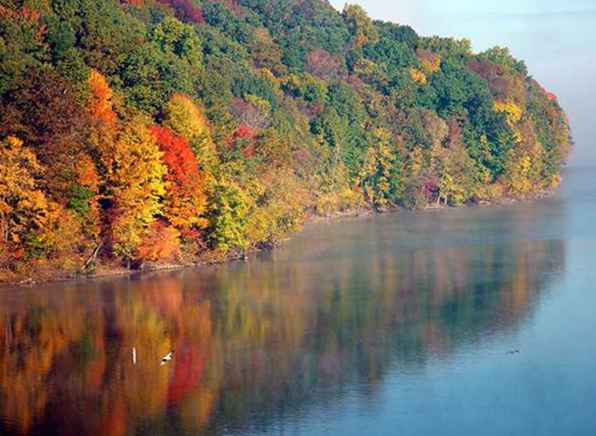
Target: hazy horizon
<point>558,45</point>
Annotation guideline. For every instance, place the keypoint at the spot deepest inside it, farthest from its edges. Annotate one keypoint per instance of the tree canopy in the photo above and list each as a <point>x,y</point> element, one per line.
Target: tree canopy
<point>217,126</point>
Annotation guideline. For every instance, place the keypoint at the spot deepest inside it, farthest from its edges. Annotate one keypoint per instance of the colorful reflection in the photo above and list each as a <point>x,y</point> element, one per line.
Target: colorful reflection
<point>258,342</point>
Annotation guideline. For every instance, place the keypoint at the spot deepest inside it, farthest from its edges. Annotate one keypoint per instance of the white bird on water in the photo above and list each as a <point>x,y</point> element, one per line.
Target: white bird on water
<point>167,358</point>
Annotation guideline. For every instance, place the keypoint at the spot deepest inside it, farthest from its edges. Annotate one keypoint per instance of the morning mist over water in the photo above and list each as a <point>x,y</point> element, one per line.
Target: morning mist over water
<point>556,40</point>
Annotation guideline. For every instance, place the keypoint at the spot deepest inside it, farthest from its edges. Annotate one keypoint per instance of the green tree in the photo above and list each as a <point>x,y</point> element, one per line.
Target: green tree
<point>229,206</point>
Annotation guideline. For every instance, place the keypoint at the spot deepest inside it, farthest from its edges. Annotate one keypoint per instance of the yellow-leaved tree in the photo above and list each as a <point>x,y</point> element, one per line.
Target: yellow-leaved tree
<point>135,186</point>
<point>524,166</point>
<point>379,175</point>
<point>418,76</point>
<point>187,119</point>
<point>23,206</point>
<point>513,114</point>
<point>30,224</point>
<point>517,172</point>
<point>281,197</point>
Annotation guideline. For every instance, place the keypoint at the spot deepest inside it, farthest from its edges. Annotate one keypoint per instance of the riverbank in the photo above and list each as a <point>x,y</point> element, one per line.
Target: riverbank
<point>114,269</point>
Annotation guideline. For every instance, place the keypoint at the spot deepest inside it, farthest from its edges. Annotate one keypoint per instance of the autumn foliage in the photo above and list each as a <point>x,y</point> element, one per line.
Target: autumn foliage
<point>185,10</point>
<point>186,199</point>
<point>23,205</point>
<point>161,242</point>
<point>135,186</point>
<point>173,130</point>
<point>188,120</point>
<point>100,106</point>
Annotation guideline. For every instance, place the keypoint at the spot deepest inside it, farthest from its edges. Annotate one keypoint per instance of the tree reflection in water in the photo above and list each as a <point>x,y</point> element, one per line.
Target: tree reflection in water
<point>258,342</point>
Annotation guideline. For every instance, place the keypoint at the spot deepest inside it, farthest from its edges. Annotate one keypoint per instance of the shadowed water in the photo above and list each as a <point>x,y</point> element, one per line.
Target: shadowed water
<point>405,323</point>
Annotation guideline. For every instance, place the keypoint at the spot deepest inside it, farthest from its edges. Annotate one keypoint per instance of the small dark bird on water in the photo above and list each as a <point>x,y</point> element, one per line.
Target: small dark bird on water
<point>167,358</point>
<point>513,352</point>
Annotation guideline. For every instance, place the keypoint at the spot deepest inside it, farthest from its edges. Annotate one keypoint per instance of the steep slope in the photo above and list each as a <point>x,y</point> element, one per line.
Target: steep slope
<point>148,130</point>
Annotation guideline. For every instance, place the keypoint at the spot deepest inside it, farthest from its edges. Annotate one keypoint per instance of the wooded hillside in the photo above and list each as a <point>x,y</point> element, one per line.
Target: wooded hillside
<point>148,130</point>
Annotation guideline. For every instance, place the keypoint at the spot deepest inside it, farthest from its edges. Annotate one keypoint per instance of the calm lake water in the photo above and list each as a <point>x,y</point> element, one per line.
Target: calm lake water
<point>396,324</point>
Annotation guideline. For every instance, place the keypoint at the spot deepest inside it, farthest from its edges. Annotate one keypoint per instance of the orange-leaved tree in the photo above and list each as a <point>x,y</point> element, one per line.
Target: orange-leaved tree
<point>100,105</point>
<point>161,242</point>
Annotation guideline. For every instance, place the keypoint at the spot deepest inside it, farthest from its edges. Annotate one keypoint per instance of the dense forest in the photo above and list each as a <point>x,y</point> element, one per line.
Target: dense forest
<point>169,130</point>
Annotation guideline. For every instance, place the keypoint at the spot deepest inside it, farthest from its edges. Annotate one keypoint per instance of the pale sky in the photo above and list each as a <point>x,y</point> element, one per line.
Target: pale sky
<point>556,39</point>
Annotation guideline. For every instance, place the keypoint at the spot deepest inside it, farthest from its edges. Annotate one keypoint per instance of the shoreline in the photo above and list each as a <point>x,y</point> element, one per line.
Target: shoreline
<point>112,271</point>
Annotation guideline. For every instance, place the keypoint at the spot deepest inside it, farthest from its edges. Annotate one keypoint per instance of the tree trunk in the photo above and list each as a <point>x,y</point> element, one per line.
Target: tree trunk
<point>93,256</point>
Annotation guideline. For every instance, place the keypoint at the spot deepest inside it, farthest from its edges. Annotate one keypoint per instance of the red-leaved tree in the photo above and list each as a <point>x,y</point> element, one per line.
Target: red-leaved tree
<point>186,199</point>
<point>186,10</point>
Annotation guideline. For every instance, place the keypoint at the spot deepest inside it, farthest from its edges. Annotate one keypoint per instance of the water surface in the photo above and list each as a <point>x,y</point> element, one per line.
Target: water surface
<point>395,324</point>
